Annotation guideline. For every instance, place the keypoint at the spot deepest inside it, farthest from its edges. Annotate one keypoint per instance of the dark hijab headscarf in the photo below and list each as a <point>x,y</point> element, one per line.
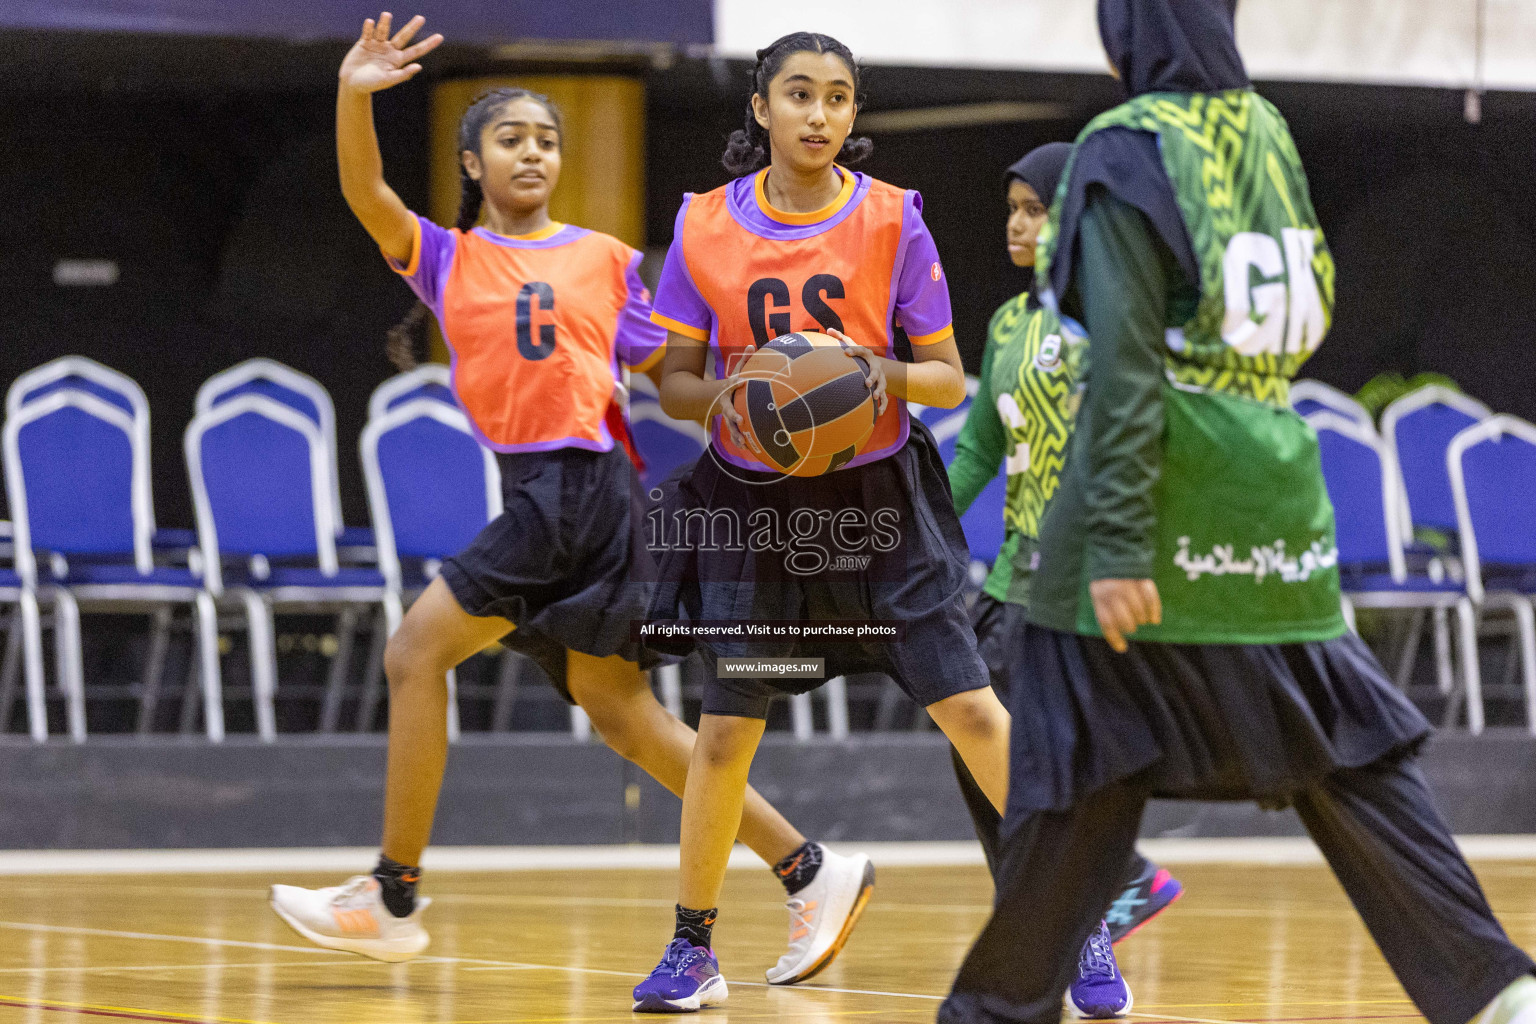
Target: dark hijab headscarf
<point>1155,46</point>
<point>1041,169</point>
<point>1172,45</point>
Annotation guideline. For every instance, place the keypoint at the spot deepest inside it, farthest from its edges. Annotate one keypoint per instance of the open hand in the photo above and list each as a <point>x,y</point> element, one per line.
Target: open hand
<point>378,61</point>
<point>1123,605</point>
<point>875,378</point>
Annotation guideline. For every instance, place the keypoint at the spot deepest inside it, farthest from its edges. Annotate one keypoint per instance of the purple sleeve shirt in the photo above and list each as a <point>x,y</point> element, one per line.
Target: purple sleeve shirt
<point>638,342</point>
<point>922,293</point>
<point>679,306</point>
<point>431,259</point>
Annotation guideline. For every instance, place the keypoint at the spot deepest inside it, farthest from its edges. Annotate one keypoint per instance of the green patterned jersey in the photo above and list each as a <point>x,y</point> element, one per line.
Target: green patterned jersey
<point>1244,531</point>
<point>1020,419</point>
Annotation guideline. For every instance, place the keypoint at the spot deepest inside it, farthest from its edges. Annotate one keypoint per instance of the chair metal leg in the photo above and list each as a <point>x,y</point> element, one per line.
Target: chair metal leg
<point>1472,672</point>
<point>67,654</point>
<point>341,664</point>
<point>32,665</point>
<point>836,692</point>
<point>1409,657</point>
<point>1525,616</point>
<point>1445,675</point>
<point>205,617</point>
<point>453,705</point>
<point>581,725</point>
<point>373,675</point>
<point>394,613</point>
<point>802,719</point>
<point>10,669</point>
<point>154,668</point>
<point>506,692</point>
<point>258,616</point>
<point>191,696</point>
<point>669,680</point>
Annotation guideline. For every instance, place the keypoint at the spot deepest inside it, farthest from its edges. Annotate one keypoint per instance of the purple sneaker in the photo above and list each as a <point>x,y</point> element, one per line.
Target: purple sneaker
<point>687,979</point>
<point>1098,992</point>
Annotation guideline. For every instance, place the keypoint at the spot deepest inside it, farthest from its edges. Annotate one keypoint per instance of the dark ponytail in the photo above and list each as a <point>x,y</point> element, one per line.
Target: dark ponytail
<point>405,346</point>
<point>748,148</point>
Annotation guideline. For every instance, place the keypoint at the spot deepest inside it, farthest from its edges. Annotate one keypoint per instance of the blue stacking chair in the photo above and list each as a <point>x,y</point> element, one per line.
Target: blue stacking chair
<point>429,380</point>
<point>1418,428</point>
<point>431,489</point>
<point>1313,396</point>
<point>263,492</point>
<point>1492,469</point>
<point>1373,569</point>
<point>80,373</point>
<point>298,391</point>
<point>77,476</point>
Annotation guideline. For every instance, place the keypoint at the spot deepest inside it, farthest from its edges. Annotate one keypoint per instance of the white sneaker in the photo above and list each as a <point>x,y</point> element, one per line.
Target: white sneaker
<point>822,916</point>
<point>352,918</point>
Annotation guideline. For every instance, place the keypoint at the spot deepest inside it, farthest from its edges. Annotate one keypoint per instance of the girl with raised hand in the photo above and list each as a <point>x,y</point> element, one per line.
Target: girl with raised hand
<point>800,242</point>
<point>539,316</point>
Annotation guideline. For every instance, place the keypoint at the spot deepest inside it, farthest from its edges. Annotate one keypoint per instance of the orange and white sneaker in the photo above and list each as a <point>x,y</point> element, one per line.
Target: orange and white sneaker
<point>352,918</point>
<point>822,916</point>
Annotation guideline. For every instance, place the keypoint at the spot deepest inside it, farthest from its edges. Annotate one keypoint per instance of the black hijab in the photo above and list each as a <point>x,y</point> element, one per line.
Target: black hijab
<point>1172,45</point>
<point>1041,169</point>
<point>1155,46</point>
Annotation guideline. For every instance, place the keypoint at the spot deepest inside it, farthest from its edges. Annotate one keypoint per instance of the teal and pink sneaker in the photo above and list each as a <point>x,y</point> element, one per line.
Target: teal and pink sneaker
<point>1142,899</point>
<point>687,980</point>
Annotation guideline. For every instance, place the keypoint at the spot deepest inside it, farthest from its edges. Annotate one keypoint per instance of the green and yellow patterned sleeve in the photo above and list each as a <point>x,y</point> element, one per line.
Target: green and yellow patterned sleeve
<point>983,440</point>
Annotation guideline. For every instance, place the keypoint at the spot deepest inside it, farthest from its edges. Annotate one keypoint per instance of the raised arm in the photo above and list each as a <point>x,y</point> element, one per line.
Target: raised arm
<point>376,62</point>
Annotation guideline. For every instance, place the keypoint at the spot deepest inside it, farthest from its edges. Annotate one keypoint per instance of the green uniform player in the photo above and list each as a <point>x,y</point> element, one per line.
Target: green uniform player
<point>1184,637</point>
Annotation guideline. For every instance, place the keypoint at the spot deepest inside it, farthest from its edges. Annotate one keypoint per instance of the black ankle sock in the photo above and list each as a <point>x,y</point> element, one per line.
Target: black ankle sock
<point>799,869</point>
<point>697,926</point>
<point>397,885</point>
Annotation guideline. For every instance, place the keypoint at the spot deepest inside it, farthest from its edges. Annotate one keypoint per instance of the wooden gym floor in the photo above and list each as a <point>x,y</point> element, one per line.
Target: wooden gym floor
<point>1246,944</point>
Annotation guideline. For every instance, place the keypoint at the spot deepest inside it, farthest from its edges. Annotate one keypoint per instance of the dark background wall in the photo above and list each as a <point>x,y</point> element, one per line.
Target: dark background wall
<point>206,170</point>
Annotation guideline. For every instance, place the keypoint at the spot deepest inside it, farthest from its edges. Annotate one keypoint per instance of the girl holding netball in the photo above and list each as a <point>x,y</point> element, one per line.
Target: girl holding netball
<point>539,315</point>
<point>799,242</point>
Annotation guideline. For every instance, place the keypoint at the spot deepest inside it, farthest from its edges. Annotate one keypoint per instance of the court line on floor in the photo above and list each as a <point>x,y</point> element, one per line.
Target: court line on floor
<point>119,1012</point>
<point>475,963</point>
<point>470,962</point>
<point>214,964</point>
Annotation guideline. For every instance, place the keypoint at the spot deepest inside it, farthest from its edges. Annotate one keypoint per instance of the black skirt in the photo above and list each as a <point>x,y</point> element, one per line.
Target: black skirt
<point>564,563</point>
<point>1195,721</point>
<point>899,556</point>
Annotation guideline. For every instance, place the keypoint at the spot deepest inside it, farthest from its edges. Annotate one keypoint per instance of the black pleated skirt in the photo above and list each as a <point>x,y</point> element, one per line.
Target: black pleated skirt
<point>1196,721</point>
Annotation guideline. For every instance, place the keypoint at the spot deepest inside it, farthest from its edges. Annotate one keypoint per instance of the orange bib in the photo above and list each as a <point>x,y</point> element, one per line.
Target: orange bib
<point>532,332</point>
<point>842,278</point>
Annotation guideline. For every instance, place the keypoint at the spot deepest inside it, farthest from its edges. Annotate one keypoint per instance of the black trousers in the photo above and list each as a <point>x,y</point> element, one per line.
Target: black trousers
<point>988,824</point>
<point>1378,828</point>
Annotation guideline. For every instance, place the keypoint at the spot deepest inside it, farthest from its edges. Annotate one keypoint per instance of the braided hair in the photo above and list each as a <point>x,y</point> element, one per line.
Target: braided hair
<point>406,339</point>
<point>748,148</point>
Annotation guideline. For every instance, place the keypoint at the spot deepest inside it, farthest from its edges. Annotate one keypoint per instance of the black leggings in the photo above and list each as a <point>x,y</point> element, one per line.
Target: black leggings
<point>1057,872</point>
<point>988,823</point>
